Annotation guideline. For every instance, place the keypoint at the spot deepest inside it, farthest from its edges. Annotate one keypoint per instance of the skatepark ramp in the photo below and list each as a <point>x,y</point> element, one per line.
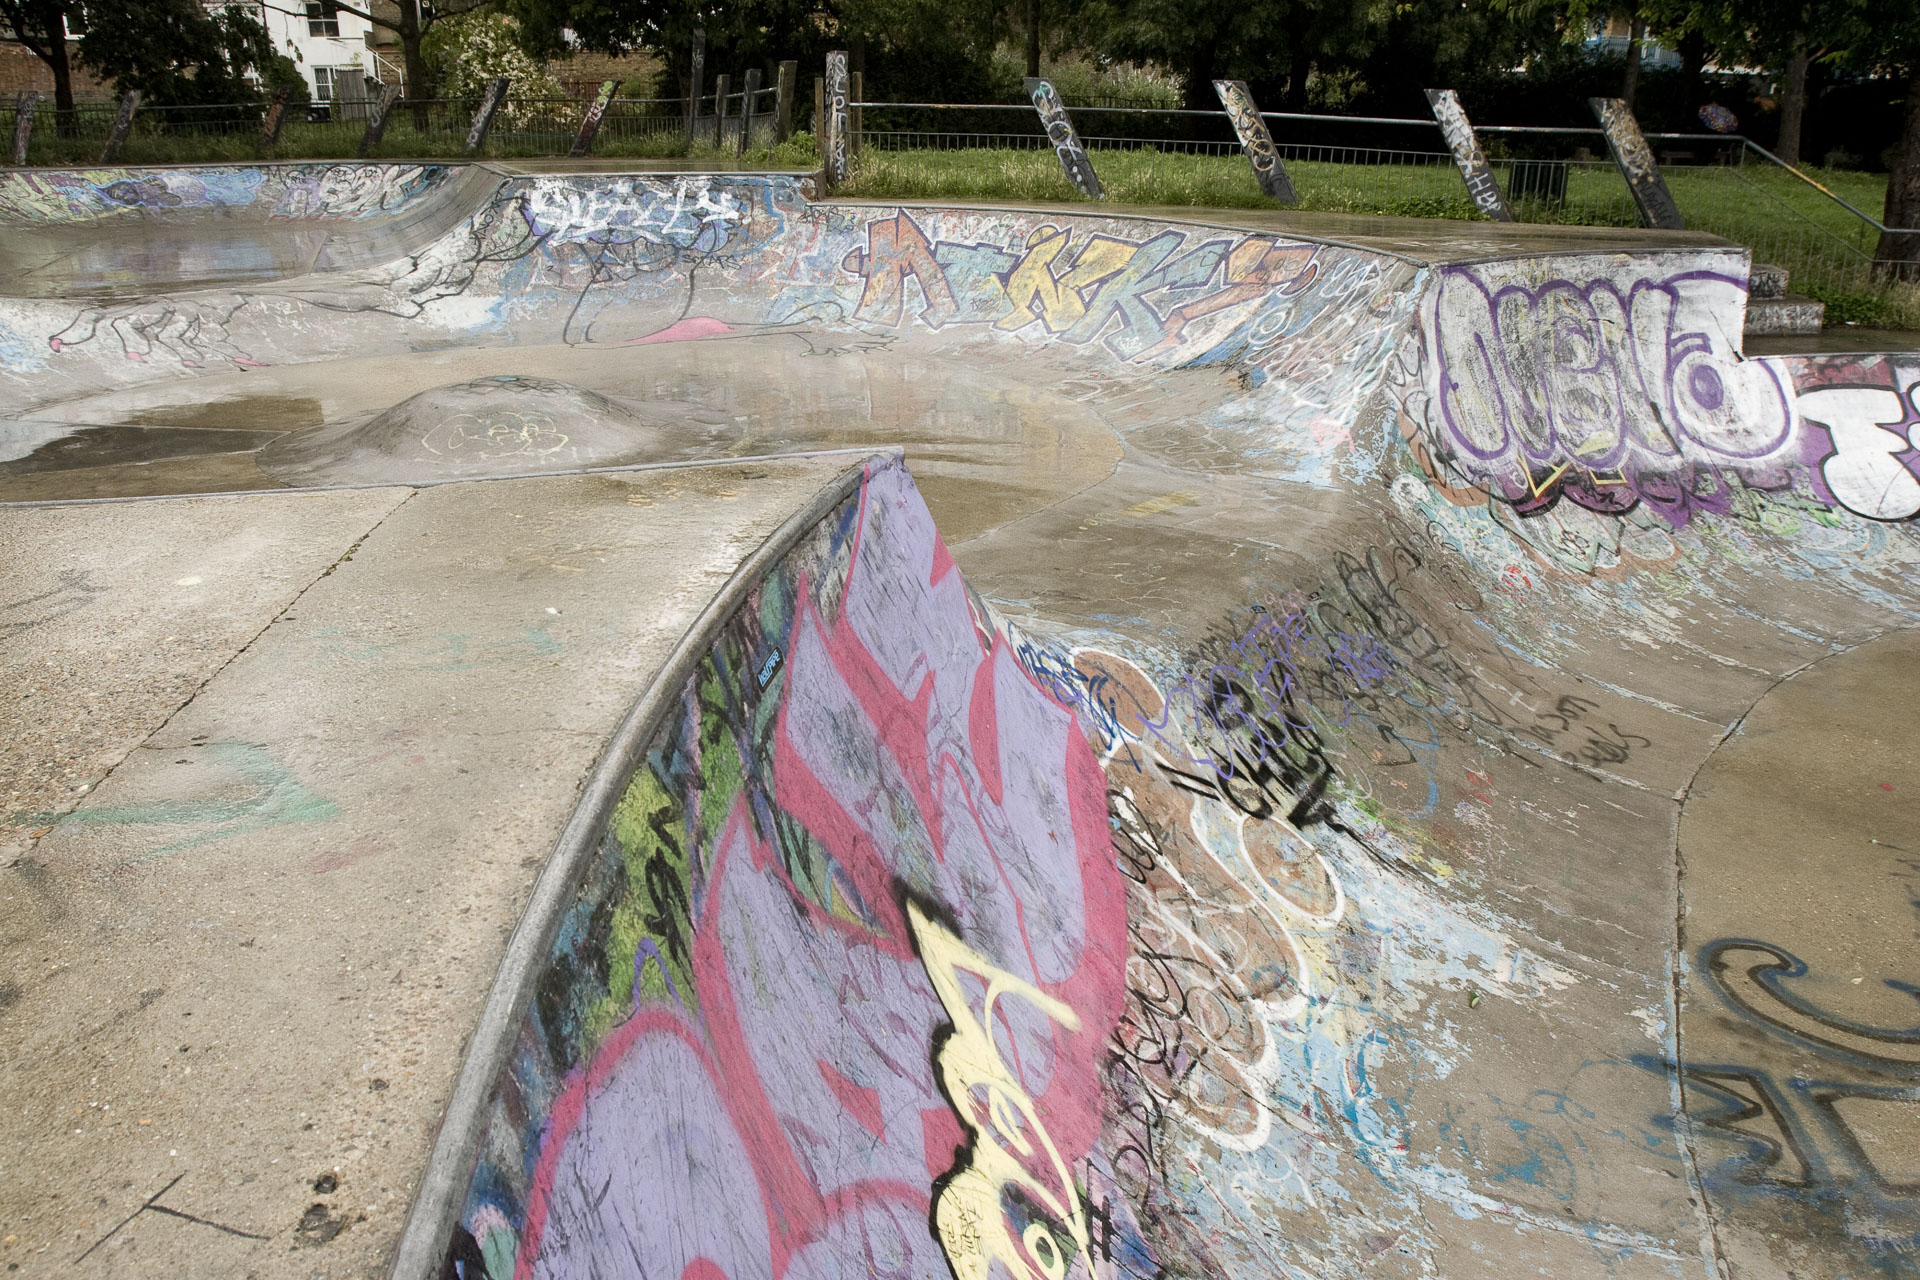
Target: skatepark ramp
<point>755,737</point>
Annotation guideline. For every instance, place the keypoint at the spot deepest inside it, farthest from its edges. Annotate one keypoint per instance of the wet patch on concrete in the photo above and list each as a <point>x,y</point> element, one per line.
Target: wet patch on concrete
<point>234,413</point>
<point>110,446</point>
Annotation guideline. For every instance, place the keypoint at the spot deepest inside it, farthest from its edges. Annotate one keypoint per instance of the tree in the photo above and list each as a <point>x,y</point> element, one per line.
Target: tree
<point>468,51</point>
<point>42,25</point>
<point>413,20</point>
<point>1886,39</point>
<point>178,51</point>
<point>1791,35</point>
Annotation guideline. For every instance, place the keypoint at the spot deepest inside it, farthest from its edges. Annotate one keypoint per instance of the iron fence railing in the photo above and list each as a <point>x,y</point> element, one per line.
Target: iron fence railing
<point>426,128</point>
<point>1723,185</point>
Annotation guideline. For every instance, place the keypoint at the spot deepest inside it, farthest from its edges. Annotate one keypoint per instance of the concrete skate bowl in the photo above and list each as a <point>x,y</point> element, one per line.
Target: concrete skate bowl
<point>1285,851</point>
<point>111,232</point>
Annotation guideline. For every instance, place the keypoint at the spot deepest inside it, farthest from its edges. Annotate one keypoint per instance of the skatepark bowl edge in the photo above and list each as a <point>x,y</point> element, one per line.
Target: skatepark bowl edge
<point>593,724</point>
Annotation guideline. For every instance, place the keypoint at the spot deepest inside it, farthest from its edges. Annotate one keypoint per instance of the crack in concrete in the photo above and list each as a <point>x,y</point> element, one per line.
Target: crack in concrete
<point>187,701</point>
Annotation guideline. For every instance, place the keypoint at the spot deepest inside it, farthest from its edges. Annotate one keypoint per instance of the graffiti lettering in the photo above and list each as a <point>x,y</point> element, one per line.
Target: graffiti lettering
<point>1009,1139</point>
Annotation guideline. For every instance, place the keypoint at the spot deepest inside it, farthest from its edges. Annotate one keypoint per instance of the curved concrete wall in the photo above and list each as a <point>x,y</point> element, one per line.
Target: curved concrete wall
<point>755,1043</point>
<point>1386,788</point>
<point>39,197</point>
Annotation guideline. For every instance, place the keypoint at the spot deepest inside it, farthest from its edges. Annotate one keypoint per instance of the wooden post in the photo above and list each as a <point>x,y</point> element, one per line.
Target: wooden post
<point>1467,155</point>
<point>23,110</point>
<point>720,86</point>
<point>853,112</point>
<point>378,117</point>
<point>783,101</point>
<point>275,117</point>
<point>590,123</point>
<point>483,118</point>
<point>122,125</point>
<point>1635,159</point>
<point>696,83</point>
<point>820,118</point>
<point>746,108</point>
<point>1255,140</point>
<point>1066,143</point>
<point>835,135</point>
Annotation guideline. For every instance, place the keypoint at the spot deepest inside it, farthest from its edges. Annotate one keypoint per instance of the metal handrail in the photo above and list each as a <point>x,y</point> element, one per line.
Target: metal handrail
<point>1834,196</point>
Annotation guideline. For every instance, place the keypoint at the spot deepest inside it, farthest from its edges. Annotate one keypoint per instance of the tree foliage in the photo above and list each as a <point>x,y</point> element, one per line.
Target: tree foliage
<point>467,51</point>
<point>178,52</point>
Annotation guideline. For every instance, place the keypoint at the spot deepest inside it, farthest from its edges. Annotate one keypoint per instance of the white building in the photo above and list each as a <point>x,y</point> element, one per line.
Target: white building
<point>331,48</point>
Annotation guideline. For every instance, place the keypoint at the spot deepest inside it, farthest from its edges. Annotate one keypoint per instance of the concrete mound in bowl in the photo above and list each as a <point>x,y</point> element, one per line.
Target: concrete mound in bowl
<point>511,424</point>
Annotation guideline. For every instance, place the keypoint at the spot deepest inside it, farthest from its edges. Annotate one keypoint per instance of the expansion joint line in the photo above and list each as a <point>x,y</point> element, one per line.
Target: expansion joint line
<point>253,639</point>
<point>1677,965</point>
<point>153,1205</point>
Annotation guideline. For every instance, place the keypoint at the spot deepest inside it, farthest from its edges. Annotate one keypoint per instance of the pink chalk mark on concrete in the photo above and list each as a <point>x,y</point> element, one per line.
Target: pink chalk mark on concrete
<point>690,329</point>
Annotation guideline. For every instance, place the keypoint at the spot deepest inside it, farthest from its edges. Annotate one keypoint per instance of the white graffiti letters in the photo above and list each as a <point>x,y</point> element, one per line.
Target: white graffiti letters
<point>1864,472</point>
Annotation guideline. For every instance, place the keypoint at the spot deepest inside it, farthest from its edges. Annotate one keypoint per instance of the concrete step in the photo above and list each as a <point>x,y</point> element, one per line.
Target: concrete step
<point>1766,281</point>
<point>1794,314</point>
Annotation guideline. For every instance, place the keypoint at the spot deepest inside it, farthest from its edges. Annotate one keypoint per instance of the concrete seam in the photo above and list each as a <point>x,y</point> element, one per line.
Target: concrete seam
<point>688,464</point>
<point>1677,966</point>
<point>234,657</point>
<point>429,1226</point>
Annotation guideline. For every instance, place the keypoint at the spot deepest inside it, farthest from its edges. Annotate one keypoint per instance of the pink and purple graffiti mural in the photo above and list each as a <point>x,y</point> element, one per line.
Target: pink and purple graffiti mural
<point>854,951</point>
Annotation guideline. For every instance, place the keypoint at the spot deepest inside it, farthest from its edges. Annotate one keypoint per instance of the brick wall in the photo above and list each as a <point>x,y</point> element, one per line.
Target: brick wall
<point>20,70</point>
<point>582,73</point>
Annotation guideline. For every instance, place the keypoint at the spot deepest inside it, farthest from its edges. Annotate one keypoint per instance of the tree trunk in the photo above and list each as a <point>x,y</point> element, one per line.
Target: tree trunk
<point>62,69</point>
<point>1793,102</point>
<point>1901,253</point>
<point>1033,37</point>
<point>419,86</point>
<point>1630,83</point>
<point>1693,66</point>
<point>41,25</point>
<point>1203,63</point>
<point>1299,55</point>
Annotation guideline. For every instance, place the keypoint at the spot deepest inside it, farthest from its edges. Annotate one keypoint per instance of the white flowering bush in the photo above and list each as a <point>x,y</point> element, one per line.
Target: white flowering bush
<point>468,51</point>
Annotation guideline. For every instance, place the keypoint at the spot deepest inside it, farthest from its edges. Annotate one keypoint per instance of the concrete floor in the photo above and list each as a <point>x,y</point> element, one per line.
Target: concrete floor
<point>278,783</point>
<point>286,763</point>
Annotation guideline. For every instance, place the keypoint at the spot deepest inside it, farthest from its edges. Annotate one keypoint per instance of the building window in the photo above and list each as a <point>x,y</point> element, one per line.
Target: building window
<point>323,84</point>
<point>323,18</point>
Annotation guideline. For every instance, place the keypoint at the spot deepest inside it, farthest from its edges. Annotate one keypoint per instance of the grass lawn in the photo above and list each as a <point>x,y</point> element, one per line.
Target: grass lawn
<point>1784,221</point>
<point>1780,218</point>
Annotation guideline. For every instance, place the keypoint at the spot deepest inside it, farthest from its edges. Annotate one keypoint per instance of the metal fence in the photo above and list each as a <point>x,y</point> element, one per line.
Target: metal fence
<point>1723,185</point>
<point>424,128</point>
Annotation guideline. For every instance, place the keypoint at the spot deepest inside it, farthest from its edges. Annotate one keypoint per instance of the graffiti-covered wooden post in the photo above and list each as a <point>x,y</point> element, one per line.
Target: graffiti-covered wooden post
<point>483,118</point>
<point>1255,140</point>
<point>783,86</point>
<point>275,117</point>
<point>696,84</point>
<point>24,107</point>
<point>590,123</point>
<point>383,104</point>
<point>820,118</point>
<point>1066,143</point>
<point>122,126</point>
<point>857,94</point>
<point>1631,153</point>
<point>747,91</point>
<point>835,134</point>
<point>1467,155</point>
<point>720,86</point>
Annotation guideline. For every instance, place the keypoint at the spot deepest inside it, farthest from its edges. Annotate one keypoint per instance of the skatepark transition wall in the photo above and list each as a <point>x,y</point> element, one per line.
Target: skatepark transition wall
<point>900,937</point>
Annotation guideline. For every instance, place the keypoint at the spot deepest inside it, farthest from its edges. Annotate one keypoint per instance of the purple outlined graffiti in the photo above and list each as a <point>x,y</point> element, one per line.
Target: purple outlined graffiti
<point>1611,392</point>
<point>1869,411</point>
